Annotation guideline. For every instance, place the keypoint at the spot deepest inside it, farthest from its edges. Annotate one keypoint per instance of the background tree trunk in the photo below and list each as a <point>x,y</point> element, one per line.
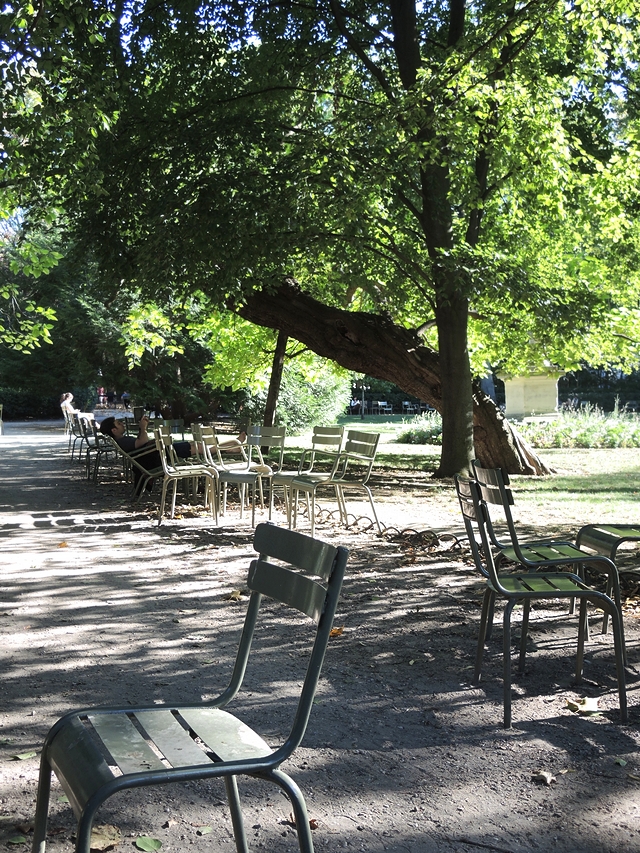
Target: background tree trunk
<point>375,345</point>
<point>275,380</point>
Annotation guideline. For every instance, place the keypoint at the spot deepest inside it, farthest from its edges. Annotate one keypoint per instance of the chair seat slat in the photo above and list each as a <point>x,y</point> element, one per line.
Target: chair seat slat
<point>129,749</point>
<point>173,741</point>
<point>225,735</point>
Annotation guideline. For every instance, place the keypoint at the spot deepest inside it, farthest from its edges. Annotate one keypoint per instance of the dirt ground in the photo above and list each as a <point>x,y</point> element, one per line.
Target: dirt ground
<point>100,606</point>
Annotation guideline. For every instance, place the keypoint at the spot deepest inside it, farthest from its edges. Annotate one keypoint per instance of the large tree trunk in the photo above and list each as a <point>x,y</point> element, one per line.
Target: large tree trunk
<point>455,387</point>
<point>375,345</point>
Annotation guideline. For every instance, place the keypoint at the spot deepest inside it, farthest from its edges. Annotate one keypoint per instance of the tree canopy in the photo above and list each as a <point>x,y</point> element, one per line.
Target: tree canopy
<point>467,171</point>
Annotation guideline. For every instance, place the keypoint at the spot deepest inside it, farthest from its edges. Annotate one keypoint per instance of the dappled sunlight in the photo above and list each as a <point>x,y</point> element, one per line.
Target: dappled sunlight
<point>102,606</point>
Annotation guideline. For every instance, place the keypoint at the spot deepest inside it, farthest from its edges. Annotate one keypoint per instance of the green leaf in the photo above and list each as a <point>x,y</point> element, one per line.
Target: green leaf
<point>17,839</point>
<point>146,843</point>
<point>23,756</point>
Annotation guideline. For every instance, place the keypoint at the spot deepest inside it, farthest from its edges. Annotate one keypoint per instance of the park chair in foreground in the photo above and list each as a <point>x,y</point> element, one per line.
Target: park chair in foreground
<point>496,491</point>
<point>351,470</point>
<point>154,745</point>
<point>526,587</point>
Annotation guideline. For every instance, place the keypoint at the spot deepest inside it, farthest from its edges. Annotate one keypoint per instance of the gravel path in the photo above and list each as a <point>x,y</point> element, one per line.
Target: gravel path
<point>99,605</point>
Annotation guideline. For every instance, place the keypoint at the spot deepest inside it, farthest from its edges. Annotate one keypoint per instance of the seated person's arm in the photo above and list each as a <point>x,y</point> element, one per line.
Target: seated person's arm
<point>142,438</point>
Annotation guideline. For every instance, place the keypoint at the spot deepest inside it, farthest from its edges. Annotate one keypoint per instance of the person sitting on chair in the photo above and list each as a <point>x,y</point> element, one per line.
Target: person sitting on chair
<point>66,404</point>
<point>143,445</point>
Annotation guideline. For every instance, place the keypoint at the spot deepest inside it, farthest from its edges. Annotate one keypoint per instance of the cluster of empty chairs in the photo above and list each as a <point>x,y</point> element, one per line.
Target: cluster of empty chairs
<point>336,461</point>
<point>518,571</point>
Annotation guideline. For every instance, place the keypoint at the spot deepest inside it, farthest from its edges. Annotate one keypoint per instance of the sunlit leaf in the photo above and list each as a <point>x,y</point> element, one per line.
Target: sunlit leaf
<point>144,842</point>
<point>105,836</point>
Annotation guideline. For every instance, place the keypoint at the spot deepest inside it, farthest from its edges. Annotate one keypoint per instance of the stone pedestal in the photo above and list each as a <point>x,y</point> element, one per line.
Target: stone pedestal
<point>536,394</point>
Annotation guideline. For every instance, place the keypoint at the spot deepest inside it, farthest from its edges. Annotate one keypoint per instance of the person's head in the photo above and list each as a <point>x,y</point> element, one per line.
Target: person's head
<point>113,427</point>
<point>66,398</point>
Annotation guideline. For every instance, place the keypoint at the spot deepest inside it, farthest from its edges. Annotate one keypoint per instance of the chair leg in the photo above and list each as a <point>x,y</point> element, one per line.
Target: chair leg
<point>506,663</point>
<point>42,807</point>
<point>614,583</point>
<point>312,511</point>
<point>231,784</point>
<point>173,498</point>
<point>617,624</point>
<point>305,841</point>
<point>487,606</point>
<point>582,634</point>
<point>165,483</point>
<point>526,609</point>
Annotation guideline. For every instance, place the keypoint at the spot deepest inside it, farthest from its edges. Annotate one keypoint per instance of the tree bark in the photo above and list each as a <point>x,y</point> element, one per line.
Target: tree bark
<point>373,344</point>
<point>457,404</point>
<point>275,380</point>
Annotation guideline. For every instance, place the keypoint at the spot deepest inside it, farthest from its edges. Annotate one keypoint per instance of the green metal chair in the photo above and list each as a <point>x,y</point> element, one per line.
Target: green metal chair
<point>176,470</point>
<point>154,745</point>
<point>607,538</point>
<point>351,470</point>
<point>132,462</point>
<point>496,491</point>
<point>526,587</point>
<point>254,471</point>
<point>326,442</point>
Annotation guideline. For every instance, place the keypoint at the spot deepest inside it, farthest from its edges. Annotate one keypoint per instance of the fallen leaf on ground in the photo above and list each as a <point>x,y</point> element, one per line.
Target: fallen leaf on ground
<point>25,827</point>
<point>544,777</point>
<point>588,705</point>
<point>23,756</point>
<point>236,595</point>
<point>63,545</point>
<point>313,823</point>
<point>337,632</point>
<point>17,839</point>
<point>633,777</point>
<point>204,830</point>
<point>146,843</point>
<point>105,836</point>
<point>620,761</point>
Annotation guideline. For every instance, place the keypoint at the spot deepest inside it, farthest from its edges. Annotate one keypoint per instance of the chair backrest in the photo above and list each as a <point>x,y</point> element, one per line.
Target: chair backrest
<point>164,446</point>
<point>476,520</point>
<point>357,458</point>
<point>302,573</point>
<point>327,438</point>
<point>259,437</point>
<point>176,426</point>
<point>326,443</point>
<point>496,491</point>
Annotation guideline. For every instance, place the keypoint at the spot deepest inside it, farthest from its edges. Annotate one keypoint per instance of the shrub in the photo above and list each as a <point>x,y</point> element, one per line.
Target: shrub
<point>588,427</point>
<point>422,429</point>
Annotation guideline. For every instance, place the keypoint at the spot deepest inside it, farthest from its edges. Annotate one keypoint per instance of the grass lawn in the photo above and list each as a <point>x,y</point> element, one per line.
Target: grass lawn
<point>589,484</point>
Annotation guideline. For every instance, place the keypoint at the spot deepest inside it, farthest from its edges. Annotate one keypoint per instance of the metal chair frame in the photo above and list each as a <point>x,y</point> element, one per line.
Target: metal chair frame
<point>326,442</point>
<point>202,741</point>
<point>175,470</point>
<point>495,488</point>
<point>526,587</point>
<point>360,452</point>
